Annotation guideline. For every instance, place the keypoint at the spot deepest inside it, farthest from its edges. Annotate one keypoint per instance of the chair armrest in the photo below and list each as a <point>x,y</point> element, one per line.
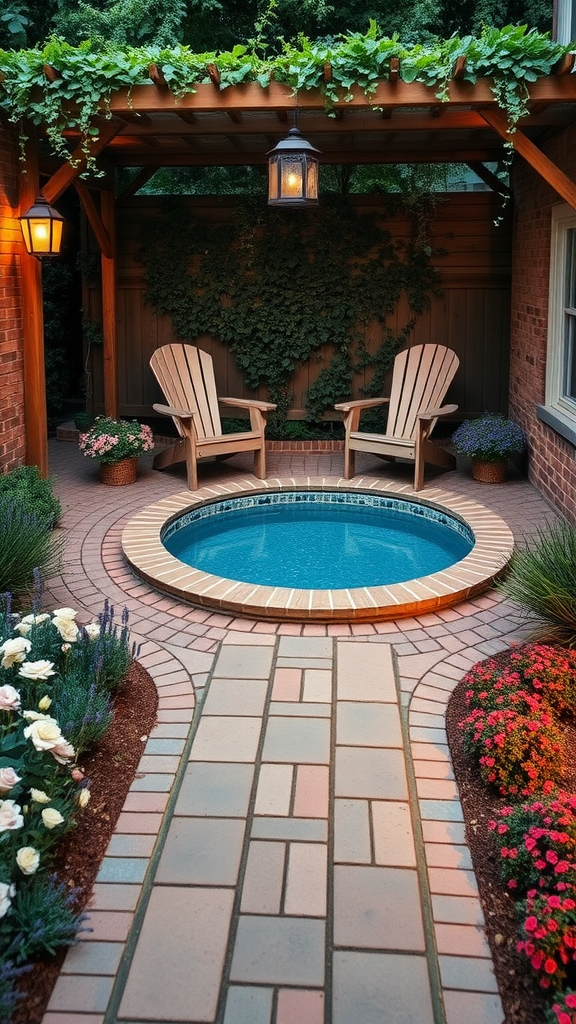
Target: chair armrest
<point>248,403</point>
<point>361,403</point>
<point>432,414</point>
<point>167,410</point>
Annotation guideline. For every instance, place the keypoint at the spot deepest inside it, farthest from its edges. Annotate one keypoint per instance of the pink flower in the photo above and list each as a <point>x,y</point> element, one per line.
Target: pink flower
<point>530,924</point>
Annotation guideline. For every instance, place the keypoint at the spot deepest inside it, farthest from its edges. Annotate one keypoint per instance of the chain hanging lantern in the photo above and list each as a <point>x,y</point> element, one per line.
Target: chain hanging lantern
<point>293,172</point>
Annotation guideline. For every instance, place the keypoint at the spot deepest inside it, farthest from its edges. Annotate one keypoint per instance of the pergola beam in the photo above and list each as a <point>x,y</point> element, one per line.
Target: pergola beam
<point>206,158</point>
<point>489,178</point>
<point>101,235</point>
<point>251,96</point>
<point>66,174</point>
<point>545,167</point>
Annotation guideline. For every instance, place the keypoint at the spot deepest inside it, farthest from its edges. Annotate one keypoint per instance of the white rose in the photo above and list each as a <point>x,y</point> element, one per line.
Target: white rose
<point>64,613</point>
<point>27,859</point>
<point>8,779</point>
<point>45,703</point>
<point>36,716</point>
<point>65,648</point>
<point>7,891</point>
<point>37,669</point>
<point>43,731</point>
<point>10,816</point>
<point>68,630</point>
<point>92,630</point>
<point>84,797</point>
<point>23,628</point>
<point>63,752</point>
<point>9,698</point>
<point>39,796</point>
<point>14,651</point>
<point>35,620</point>
<point>51,817</point>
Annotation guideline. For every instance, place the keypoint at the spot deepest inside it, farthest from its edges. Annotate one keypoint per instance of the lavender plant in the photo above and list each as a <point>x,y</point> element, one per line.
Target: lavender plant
<point>489,438</point>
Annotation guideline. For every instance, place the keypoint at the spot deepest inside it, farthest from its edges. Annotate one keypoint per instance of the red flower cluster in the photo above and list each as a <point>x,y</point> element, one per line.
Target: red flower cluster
<point>561,1009</point>
<point>510,730</point>
<point>518,753</point>
<point>550,936</point>
<point>511,677</point>
<point>537,842</point>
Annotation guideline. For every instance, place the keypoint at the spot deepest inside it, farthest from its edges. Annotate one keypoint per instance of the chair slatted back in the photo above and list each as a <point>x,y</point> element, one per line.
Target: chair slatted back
<point>422,375</point>
<point>186,375</point>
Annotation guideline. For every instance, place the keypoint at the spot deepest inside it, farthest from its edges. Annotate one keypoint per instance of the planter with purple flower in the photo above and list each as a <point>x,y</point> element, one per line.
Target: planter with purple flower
<point>489,442</point>
<point>117,444</point>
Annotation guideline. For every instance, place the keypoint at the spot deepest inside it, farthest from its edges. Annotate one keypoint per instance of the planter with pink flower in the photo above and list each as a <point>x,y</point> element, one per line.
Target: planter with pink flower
<point>117,444</point>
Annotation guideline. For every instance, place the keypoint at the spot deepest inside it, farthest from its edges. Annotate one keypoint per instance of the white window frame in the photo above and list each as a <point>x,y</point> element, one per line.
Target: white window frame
<point>565,21</point>
<point>560,410</point>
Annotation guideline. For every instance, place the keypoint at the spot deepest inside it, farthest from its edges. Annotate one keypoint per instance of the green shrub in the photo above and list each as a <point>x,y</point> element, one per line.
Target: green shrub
<point>28,544</point>
<point>32,491</point>
<point>541,578</point>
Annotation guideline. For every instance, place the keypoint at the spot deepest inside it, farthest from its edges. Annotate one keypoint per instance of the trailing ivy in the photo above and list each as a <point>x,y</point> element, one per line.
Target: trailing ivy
<point>276,286</point>
<point>90,73</point>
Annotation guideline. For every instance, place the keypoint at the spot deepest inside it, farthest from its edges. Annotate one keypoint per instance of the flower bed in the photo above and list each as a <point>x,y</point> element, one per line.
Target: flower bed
<point>57,682</point>
<point>516,703</point>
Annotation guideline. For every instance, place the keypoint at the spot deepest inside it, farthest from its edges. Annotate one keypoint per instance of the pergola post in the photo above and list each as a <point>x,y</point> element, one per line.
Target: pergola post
<point>36,418</point>
<point>108,265</point>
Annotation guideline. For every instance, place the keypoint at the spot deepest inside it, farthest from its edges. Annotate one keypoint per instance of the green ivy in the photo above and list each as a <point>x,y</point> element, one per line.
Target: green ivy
<point>277,286</point>
<point>90,73</point>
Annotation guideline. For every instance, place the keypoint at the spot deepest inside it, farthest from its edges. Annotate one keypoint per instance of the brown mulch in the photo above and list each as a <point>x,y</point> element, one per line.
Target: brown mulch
<point>521,994</point>
<point>110,769</point>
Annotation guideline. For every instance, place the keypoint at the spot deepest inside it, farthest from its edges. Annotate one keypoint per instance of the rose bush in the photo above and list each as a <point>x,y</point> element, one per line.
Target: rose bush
<point>64,669</point>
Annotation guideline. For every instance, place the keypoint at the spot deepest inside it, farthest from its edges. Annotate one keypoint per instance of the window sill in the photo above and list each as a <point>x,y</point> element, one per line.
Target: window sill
<point>561,424</point>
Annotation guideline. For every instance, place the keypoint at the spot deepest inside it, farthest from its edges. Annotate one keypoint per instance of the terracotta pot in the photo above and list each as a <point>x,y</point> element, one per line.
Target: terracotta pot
<point>115,474</point>
<point>490,472</point>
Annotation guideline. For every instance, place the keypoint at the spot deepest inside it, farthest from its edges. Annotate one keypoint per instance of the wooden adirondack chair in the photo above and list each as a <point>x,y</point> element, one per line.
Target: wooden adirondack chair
<point>186,376</point>
<point>420,380</point>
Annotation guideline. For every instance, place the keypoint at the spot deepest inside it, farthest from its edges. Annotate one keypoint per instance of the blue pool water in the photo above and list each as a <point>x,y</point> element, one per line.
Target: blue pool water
<point>318,539</point>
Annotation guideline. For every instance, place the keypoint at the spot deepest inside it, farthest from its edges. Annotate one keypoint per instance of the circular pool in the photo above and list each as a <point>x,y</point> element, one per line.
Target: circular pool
<point>418,593</point>
<point>318,540</point>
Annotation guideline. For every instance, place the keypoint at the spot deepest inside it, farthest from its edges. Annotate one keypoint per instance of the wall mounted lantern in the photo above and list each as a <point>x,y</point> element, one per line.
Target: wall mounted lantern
<point>293,172</point>
<point>42,229</point>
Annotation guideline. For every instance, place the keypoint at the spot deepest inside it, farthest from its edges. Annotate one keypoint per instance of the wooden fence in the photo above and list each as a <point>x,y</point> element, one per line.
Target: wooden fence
<point>471,315</point>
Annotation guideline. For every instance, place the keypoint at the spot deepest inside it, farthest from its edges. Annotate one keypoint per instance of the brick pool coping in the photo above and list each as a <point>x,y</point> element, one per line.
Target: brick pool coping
<point>467,578</point>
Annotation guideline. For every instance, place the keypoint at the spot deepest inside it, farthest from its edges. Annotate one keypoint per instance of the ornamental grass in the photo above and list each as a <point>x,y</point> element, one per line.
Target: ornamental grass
<point>541,578</point>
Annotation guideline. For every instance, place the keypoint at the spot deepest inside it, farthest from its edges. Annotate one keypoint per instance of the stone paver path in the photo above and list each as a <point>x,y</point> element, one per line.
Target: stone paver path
<point>292,850</point>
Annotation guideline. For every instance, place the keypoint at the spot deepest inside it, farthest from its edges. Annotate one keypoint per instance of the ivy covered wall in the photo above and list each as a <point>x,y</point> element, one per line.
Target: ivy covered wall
<point>311,310</point>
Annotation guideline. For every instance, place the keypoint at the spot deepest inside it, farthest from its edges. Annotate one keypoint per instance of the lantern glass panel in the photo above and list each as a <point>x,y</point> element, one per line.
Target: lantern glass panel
<point>273,178</point>
<point>292,178</point>
<point>312,179</point>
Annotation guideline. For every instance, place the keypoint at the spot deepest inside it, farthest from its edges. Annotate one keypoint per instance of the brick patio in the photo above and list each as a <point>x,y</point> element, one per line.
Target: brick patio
<point>292,850</point>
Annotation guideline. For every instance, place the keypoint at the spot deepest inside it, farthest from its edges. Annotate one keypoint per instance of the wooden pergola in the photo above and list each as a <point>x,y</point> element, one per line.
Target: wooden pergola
<point>150,127</point>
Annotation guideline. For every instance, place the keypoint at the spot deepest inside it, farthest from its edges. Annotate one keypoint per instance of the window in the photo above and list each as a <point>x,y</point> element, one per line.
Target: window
<point>560,409</point>
<point>565,21</point>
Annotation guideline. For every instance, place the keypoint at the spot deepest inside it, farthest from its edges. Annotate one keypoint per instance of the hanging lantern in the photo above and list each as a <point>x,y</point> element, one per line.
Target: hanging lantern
<point>42,229</point>
<point>293,172</point>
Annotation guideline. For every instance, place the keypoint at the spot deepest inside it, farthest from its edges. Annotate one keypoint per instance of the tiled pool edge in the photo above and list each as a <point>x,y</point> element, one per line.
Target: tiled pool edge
<point>147,556</point>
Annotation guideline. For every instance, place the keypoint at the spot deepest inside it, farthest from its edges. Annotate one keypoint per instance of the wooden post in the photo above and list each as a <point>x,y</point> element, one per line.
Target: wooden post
<point>108,264</point>
<point>35,414</point>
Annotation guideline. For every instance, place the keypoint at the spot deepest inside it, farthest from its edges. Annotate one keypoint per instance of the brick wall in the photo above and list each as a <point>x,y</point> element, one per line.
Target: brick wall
<point>551,459</point>
<point>12,433</point>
